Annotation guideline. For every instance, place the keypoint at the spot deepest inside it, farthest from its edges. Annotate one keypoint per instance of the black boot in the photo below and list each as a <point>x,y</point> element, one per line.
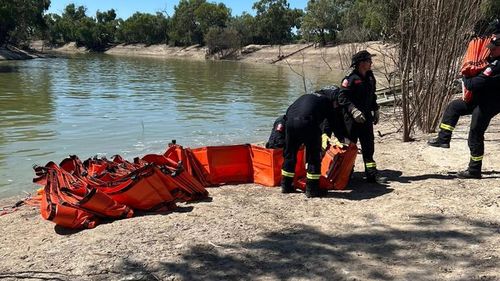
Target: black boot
<point>313,190</point>
<point>372,176</point>
<point>437,142</point>
<point>376,179</point>
<point>473,171</point>
<point>467,174</point>
<point>287,185</point>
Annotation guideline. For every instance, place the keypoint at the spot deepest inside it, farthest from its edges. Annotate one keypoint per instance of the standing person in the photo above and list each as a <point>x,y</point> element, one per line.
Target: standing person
<point>303,119</point>
<point>484,106</point>
<point>361,111</point>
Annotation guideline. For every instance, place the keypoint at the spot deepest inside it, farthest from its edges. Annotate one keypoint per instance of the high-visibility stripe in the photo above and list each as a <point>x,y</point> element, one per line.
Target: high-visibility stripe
<point>447,127</point>
<point>371,165</point>
<point>287,174</point>
<point>313,176</point>
<point>477,158</point>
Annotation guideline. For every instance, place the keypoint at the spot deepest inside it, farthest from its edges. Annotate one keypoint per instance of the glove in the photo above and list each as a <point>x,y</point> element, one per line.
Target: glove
<point>336,142</point>
<point>376,117</point>
<point>325,141</point>
<point>358,115</point>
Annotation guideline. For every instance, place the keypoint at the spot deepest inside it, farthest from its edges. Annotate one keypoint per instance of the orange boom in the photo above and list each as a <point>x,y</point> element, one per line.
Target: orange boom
<point>475,61</point>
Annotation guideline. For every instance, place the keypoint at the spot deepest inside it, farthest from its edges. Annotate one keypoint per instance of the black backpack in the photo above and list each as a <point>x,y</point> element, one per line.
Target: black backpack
<point>277,137</point>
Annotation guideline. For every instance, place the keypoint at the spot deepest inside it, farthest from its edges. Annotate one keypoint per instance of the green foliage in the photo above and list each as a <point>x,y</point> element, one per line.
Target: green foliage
<point>20,18</point>
<point>97,34</point>
<point>323,19</point>
<point>222,41</point>
<point>75,26</point>
<point>369,19</point>
<point>185,30</point>
<point>144,28</point>
<point>66,27</point>
<point>192,20</point>
<point>210,15</point>
<point>275,20</point>
<point>246,27</point>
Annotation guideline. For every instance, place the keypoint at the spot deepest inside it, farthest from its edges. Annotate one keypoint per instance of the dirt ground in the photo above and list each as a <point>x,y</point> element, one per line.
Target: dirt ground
<point>425,224</point>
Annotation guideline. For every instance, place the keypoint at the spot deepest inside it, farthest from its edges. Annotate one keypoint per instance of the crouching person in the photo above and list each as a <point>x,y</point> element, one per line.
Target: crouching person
<point>303,120</point>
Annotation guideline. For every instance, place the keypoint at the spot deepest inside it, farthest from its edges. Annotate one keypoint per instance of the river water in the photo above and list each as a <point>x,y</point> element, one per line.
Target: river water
<point>106,105</point>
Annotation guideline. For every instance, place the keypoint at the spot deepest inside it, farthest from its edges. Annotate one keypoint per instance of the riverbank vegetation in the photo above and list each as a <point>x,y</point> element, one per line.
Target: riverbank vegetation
<point>211,24</point>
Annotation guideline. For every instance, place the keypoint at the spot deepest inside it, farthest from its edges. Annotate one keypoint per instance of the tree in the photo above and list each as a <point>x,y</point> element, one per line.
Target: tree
<point>223,42</point>
<point>323,19</point>
<point>431,36</point>
<point>185,30</point>
<point>246,27</point>
<point>144,28</point>
<point>369,19</point>
<point>210,15</point>
<point>20,18</point>
<point>275,21</point>
<point>67,26</point>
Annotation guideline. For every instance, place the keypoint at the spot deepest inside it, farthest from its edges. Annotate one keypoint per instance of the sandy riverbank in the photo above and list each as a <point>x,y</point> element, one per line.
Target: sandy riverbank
<point>307,55</point>
<point>13,53</point>
<point>423,225</point>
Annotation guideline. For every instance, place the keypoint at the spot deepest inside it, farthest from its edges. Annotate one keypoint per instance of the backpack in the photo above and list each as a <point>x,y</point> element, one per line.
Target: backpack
<point>277,137</point>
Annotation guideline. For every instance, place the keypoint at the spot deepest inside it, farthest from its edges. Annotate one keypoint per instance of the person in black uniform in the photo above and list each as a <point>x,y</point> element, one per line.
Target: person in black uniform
<point>484,106</point>
<point>361,111</point>
<point>303,120</point>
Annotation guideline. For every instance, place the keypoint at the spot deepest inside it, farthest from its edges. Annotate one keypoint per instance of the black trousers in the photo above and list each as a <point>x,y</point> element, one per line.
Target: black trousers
<point>452,113</point>
<point>364,132</point>
<point>298,132</point>
<point>481,117</point>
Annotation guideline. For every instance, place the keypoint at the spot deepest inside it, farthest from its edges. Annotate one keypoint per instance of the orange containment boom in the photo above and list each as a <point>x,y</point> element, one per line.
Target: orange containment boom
<point>475,61</point>
<point>78,194</point>
<point>229,164</point>
<point>337,165</point>
<point>71,203</point>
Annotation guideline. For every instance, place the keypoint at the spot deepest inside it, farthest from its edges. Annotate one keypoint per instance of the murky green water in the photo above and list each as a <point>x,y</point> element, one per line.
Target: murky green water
<point>104,105</point>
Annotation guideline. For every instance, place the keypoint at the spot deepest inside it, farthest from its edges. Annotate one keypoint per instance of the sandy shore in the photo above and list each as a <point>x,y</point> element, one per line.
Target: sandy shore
<point>295,54</point>
<point>423,225</point>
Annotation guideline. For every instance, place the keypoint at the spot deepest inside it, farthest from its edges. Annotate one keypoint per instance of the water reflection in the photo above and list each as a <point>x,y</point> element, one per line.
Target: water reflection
<point>7,68</point>
<point>98,104</point>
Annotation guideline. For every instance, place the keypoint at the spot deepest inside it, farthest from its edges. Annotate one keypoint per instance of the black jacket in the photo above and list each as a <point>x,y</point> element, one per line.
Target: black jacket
<point>357,91</point>
<point>314,107</point>
<point>486,86</point>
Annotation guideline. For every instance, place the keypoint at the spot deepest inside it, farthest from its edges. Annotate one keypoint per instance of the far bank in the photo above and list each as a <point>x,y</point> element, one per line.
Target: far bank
<point>302,55</point>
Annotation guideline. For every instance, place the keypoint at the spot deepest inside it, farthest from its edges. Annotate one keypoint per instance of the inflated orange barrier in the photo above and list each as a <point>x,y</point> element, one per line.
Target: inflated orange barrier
<point>225,164</point>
